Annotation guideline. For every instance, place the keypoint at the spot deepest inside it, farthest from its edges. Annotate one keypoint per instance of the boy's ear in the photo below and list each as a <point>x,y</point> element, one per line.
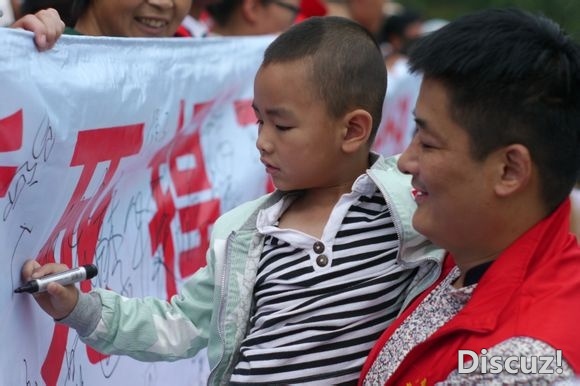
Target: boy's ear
<point>357,130</point>
<point>515,170</point>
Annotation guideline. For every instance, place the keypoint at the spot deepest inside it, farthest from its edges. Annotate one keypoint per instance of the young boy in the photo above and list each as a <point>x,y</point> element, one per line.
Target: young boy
<point>300,283</point>
<point>496,154</point>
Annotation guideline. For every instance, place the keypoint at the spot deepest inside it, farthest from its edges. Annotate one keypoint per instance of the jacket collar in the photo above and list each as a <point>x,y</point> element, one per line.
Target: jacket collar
<point>534,250</point>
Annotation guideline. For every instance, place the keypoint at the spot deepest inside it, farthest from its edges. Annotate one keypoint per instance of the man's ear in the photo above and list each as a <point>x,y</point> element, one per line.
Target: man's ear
<point>516,170</point>
<point>357,130</point>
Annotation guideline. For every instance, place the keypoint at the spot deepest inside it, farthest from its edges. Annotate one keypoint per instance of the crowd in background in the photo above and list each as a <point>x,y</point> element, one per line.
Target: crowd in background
<point>386,20</point>
<point>391,23</point>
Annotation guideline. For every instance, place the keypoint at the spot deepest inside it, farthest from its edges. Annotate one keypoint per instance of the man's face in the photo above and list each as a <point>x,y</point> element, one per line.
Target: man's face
<point>452,190</point>
<point>299,143</point>
<point>135,18</point>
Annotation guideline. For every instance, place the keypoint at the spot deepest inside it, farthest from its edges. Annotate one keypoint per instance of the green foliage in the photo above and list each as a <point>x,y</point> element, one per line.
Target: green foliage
<point>565,12</point>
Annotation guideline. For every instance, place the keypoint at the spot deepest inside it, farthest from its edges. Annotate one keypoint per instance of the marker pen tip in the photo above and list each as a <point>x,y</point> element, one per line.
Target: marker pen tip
<point>26,288</point>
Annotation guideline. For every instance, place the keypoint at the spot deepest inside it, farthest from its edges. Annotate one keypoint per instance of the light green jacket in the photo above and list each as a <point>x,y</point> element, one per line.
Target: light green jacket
<point>214,305</point>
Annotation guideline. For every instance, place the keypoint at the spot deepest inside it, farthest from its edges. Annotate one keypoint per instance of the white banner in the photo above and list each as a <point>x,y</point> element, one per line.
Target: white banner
<point>122,153</point>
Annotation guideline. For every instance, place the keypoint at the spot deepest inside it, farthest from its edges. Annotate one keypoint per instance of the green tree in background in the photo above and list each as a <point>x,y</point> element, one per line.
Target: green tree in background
<point>565,12</point>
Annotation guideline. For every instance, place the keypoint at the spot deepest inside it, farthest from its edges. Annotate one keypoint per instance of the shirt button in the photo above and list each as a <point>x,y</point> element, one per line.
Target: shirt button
<point>318,247</point>
<point>322,260</point>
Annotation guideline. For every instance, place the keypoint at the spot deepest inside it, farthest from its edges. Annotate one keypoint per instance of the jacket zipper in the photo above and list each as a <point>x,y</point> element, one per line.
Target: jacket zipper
<point>220,327</point>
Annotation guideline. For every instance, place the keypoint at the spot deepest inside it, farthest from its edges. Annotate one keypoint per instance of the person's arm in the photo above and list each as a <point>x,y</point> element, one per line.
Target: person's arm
<point>146,329</point>
<point>524,361</point>
<point>46,26</point>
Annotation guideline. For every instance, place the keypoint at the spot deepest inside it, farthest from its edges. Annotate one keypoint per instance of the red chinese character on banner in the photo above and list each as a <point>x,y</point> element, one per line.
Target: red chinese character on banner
<point>83,217</point>
<point>10,140</point>
<point>186,180</point>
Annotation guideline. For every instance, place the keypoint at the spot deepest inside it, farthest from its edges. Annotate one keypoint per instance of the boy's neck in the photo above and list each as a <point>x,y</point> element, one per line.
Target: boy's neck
<point>310,212</point>
<point>346,176</point>
<point>325,196</point>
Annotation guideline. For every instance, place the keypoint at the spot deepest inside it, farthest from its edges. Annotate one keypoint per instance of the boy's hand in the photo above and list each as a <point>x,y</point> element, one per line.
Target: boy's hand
<point>46,26</point>
<point>58,301</point>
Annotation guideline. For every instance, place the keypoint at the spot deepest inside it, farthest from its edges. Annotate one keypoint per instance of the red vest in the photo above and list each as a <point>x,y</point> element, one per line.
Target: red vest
<point>531,290</point>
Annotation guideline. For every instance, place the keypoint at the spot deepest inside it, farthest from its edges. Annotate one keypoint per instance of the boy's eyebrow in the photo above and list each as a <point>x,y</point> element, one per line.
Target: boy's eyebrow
<point>278,111</point>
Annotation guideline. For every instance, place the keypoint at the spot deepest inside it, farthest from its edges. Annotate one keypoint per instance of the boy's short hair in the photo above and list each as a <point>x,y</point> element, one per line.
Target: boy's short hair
<point>512,77</point>
<point>348,70</point>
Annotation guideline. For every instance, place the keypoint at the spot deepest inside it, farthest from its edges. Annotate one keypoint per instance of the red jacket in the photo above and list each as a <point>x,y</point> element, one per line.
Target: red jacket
<point>531,290</point>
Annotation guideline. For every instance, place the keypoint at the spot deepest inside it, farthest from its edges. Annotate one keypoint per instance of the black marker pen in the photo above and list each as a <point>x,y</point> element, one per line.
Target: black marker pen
<point>84,272</point>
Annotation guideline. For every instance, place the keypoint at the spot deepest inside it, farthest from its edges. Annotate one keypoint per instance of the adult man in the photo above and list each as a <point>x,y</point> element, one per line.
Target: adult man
<point>495,156</point>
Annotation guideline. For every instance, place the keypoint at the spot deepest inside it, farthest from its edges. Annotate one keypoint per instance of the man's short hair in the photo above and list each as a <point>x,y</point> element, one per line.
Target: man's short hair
<point>512,77</point>
<point>348,71</point>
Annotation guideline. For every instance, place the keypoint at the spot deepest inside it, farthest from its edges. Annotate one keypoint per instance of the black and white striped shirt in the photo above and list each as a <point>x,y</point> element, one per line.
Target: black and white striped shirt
<point>320,304</point>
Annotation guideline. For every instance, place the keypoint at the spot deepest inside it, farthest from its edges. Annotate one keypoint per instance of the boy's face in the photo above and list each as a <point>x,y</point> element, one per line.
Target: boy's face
<point>454,192</point>
<point>299,143</point>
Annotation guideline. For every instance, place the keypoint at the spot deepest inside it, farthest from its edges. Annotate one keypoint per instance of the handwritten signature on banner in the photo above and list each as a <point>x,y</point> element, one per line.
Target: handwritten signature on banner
<point>11,132</point>
<point>86,232</point>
